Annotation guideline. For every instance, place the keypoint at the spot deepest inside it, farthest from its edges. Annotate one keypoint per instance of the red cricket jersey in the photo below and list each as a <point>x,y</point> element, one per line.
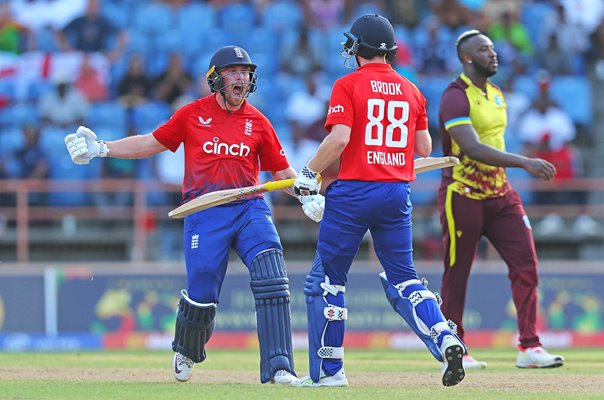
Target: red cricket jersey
<point>222,150</point>
<point>383,110</point>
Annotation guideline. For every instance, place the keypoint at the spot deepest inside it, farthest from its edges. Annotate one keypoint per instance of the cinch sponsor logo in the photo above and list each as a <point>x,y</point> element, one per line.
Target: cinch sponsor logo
<point>217,147</point>
<point>335,109</point>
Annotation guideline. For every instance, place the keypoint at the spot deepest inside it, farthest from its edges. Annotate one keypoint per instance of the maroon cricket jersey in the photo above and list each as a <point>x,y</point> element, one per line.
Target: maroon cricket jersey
<point>463,103</point>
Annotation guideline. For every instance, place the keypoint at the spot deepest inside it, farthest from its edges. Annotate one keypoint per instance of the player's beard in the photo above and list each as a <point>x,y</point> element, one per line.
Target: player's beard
<point>482,70</point>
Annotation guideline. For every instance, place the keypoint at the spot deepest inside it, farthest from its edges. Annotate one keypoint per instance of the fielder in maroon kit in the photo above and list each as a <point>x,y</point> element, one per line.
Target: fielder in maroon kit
<point>476,199</point>
<point>226,141</point>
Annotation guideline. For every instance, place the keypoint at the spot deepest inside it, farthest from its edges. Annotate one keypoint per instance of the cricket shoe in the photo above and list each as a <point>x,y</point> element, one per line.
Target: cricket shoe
<point>452,368</point>
<point>470,363</point>
<point>339,379</point>
<point>537,357</point>
<point>182,367</point>
<point>283,377</point>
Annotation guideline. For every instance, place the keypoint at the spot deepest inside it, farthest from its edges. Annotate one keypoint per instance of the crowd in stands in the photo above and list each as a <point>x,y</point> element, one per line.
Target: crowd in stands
<point>122,66</point>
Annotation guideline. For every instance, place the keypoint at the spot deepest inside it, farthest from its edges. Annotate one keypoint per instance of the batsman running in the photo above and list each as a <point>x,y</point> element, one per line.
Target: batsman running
<point>226,142</point>
<point>376,123</point>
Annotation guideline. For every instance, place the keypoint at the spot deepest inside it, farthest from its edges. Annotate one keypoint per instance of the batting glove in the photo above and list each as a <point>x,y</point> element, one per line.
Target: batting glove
<point>83,146</point>
<point>313,206</point>
<point>308,182</point>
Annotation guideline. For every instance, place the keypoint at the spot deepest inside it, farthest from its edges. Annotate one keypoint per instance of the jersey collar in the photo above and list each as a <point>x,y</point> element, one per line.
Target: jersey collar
<point>216,100</point>
<point>376,65</point>
<point>471,84</point>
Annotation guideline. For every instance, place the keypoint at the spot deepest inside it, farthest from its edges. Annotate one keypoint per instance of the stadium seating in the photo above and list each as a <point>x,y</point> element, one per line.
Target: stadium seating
<point>281,15</point>
<point>62,168</point>
<point>149,116</point>
<point>573,93</point>
<point>19,114</point>
<point>110,115</point>
<point>153,18</point>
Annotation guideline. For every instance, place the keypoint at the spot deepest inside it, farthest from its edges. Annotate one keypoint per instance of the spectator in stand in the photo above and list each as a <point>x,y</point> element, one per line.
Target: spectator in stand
<point>452,14</point>
<point>323,14</point>
<point>64,107</point>
<point>92,32</point>
<point>511,37</point>
<point>434,57</point>
<point>553,58</point>
<point>597,50</point>
<point>116,168</point>
<point>547,132</point>
<point>301,59</point>
<point>90,83</point>
<point>571,37</point>
<point>14,37</point>
<point>308,105</point>
<point>174,82</point>
<point>26,162</point>
<point>134,87</point>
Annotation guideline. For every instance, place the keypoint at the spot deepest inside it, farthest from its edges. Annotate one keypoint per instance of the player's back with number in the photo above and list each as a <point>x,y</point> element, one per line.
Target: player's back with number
<point>384,110</point>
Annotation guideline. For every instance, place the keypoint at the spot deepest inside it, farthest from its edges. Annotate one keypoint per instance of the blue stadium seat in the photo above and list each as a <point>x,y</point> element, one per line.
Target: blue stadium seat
<point>153,18</point>
<point>62,168</point>
<point>109,114</point>
<point>518,174</point>
<point>39,87</point>
<point>433,89</point>
<point>281,15</point>
<point>531,15</point>
<point>138,42</point>
<point>7,90</point>
<point>19,114</point>
<point>426,197</point>
<point>237,21</point>
<point>118,14</point>
<point>573,94</point>
<point>526,84</point>
<point>194,20</point>
<point>149,116</point>
<point>215,39</point>
<point>262,47</point>
<point>45,40</point>
<point>10,140</point>
<point>366,8</point>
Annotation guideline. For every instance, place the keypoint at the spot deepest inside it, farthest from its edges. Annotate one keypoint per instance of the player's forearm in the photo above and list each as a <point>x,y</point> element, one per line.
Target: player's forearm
<point>423,143</point>
<point>489,155</point>
<point>140,146</point>
<point>330,149</point>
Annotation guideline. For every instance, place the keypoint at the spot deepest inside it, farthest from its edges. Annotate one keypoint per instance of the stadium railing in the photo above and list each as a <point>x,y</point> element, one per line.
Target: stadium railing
<point>20,219</point>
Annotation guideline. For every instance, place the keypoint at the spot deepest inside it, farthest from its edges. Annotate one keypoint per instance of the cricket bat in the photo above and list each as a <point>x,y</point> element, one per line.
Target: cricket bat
<point>220,197</point>
<point>431,163</point>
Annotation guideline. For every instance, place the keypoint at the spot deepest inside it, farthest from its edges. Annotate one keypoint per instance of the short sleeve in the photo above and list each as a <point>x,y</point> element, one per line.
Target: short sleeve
<point>454,108</point>
<point>173,132</point>
<point>421,123</point>
<point>340,110</point>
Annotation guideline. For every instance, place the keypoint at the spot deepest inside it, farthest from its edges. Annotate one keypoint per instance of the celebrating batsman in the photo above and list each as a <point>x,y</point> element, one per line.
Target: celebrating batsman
<point>226,142</point>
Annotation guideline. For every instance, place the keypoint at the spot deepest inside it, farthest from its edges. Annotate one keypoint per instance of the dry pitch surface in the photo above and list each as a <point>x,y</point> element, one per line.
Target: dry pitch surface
<point>385,371</point>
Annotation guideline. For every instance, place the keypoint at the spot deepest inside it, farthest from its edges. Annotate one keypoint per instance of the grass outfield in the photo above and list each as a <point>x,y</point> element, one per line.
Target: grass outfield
<point>233,375</point>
